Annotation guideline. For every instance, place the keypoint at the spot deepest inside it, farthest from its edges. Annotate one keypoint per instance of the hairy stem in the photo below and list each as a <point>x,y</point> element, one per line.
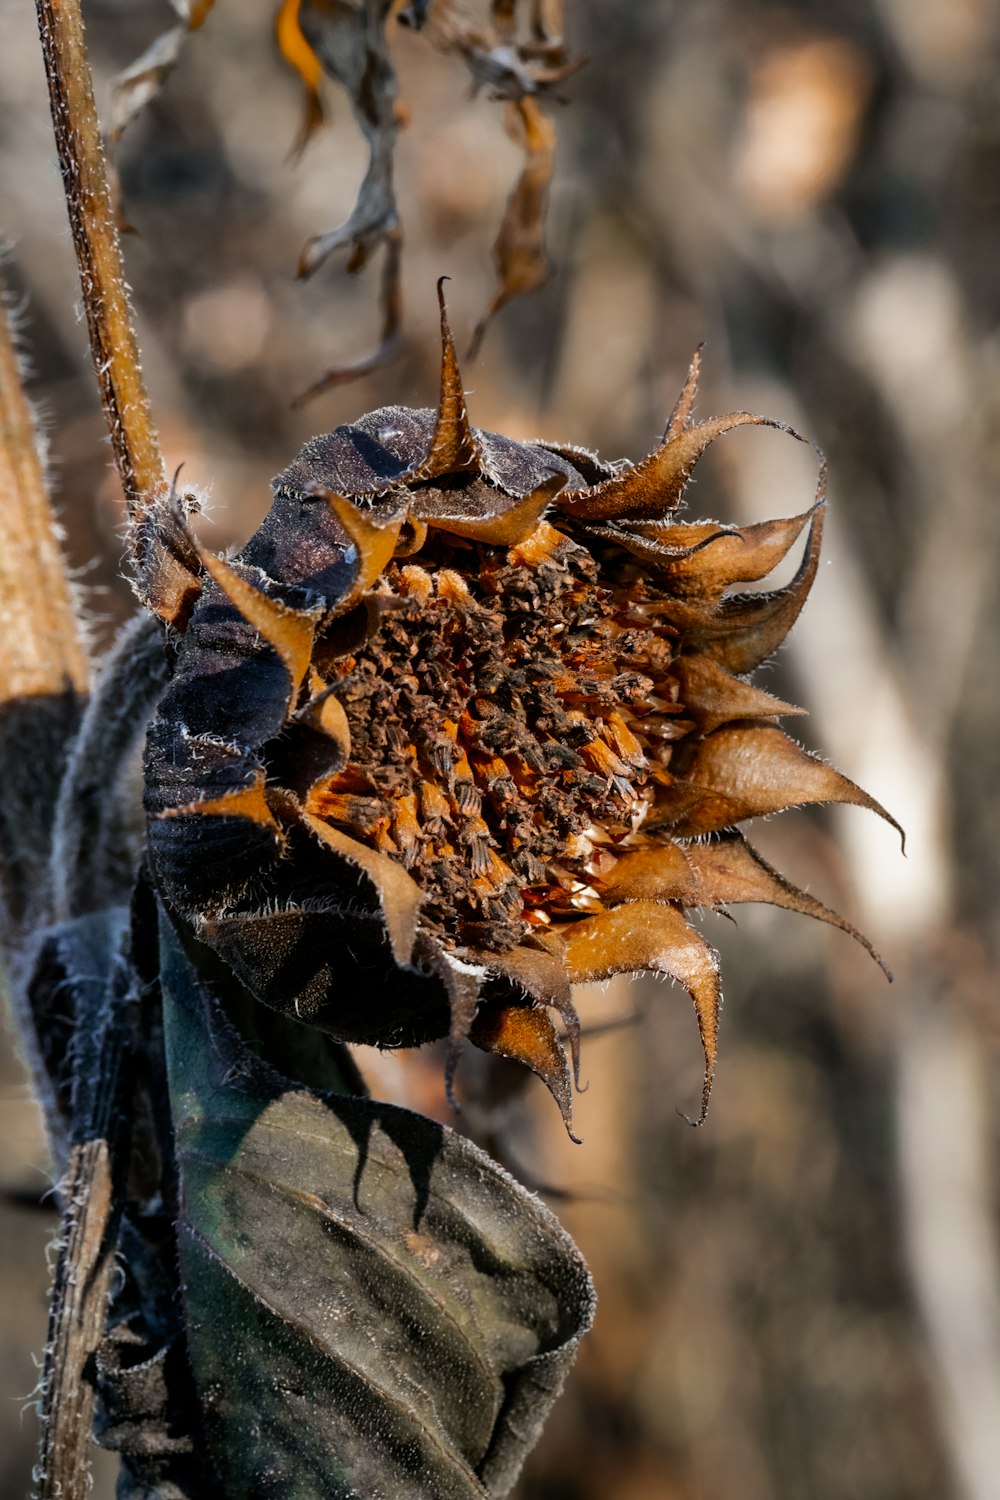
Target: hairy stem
<point>43,676</point>
<point>98,252</point>
<point>42,651</point>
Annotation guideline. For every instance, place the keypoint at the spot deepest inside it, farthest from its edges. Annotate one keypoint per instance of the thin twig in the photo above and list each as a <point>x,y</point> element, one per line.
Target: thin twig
<point>98,252</point>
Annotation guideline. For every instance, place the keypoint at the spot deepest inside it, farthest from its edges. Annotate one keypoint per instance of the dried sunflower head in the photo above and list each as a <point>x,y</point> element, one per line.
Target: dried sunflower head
<point>469,721</point>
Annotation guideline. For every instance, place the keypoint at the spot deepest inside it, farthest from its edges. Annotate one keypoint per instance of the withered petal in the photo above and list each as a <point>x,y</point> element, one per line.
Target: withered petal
<point>325,713</point>
<point>732,871</point>
<point>527,1035</point>
<point>453,447</point>
<point>541,975</point>
<point>375,541</point>
<point>680,417</point>
<point>711,696</point>
<point>751,770</point>
<point>643,935</point>
<point>245,802</point>
<point>660,872</point>
<point>398,893</point>
<point>510,525</point>
<point>705,566</point>
<point>290,632</point>
<point>655,485</point>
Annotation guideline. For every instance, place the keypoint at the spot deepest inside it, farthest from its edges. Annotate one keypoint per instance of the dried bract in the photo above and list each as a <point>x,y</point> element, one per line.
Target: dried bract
<point>477,711</point>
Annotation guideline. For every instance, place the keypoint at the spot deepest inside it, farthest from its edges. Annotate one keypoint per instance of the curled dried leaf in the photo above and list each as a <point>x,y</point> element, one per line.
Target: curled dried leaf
<point>519,250</point>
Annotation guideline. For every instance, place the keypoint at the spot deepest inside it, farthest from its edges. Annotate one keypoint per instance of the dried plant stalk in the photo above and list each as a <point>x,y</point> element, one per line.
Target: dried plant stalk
<point>43,665</point>
<point>76,1322</point>
<point>98,251</point>
<point>43,652</point>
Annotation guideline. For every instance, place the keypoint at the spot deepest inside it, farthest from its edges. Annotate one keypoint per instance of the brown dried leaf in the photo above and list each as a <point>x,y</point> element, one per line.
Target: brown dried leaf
<point>680,417</point>
<point>709,559</point>
<point>542,975</point>
<point>453,446</point>
<point>491,53</point>
<point>519,250</point>
<point>746,629</point>
<point>662,872</point>
<point>511,525</point>
<point>349,41</point>
<point>299,55</point>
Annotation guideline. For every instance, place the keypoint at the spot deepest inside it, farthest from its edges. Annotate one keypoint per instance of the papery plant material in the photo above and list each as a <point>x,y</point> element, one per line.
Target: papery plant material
<point>496,59</point>
<point>516,71</point>
<point>350,42</point>
<point>346,39</point>
<point>469,706</point>
<point>519,252</point>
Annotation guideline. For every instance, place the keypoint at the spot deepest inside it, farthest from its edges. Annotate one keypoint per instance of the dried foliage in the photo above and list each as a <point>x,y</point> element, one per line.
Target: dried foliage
<point>347,40</point>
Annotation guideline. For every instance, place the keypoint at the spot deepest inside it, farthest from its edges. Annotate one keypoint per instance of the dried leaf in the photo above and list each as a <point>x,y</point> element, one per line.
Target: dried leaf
<point>349,41</point>
<point>453,447</point>
<point>712,697</point>
<point>745,629</point>
<point>308,1221</point>
<point>519,251</point>
<point>299,55</point>
<point>661,872</point>
<point>703,561</point>
<point>655,485</point>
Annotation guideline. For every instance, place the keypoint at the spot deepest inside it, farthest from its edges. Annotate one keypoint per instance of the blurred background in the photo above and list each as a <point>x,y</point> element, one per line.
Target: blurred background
<point>802,1298</point>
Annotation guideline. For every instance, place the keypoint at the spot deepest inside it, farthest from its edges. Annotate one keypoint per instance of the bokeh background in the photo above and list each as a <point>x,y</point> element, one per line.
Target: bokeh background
<point>801,1298</point>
